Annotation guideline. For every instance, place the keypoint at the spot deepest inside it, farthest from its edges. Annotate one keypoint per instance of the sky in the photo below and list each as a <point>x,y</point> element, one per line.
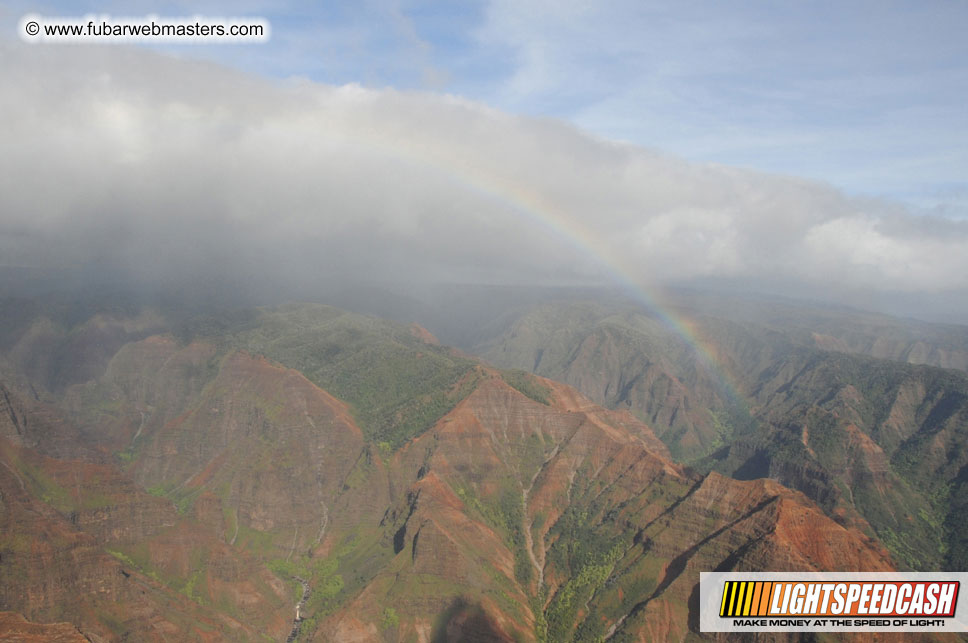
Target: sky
<point>865,95</point>
<point>817,147</point>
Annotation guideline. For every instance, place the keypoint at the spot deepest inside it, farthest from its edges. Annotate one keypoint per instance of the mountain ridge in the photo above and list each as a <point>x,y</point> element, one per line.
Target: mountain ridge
<point>522,510</point>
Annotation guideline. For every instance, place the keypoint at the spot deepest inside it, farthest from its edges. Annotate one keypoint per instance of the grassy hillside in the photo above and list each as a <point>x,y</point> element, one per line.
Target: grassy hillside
<point>623,360</point>
<point>393,488</point>
<point>396,384</point>
<point>876,441</point>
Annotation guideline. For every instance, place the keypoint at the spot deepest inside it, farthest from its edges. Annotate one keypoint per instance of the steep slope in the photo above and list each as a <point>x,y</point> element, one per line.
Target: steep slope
<point>879,444</point>
<point>16,628</point>
<point>559,521</point>
<point>839,329</point>
<point>885,438</point>
<point>396,383</point>
<point>66,527</point>
<point>621,359</point>
<point>418,495</point>
<point>58,345</point>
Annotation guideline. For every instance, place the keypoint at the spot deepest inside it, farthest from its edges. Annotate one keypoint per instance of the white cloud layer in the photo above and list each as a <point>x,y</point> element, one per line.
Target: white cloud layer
<point>129,162</point>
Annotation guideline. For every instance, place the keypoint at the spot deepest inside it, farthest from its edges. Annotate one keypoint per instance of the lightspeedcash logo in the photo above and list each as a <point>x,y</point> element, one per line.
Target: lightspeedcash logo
<point>765,598</point>
<point>827,602</point>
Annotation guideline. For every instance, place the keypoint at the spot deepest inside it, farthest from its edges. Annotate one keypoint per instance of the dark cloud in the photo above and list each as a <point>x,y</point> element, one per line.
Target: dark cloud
<point>159,169</point>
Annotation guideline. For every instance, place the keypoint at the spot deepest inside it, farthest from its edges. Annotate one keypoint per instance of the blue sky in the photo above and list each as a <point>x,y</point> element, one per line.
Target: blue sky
<point>867,96</point>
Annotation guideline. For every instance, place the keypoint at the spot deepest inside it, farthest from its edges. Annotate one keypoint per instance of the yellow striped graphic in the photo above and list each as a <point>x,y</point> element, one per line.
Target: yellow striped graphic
<point>749,599</point>
<point>745,598</point>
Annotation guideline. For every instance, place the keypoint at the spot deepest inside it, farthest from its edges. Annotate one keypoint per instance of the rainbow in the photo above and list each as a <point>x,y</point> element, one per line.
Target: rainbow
<point>532,205</point>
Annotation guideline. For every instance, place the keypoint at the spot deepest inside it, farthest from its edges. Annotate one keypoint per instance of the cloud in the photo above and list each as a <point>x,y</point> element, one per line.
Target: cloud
<point>151,168</point>
<point>864,95</point>
<point>892,252</point>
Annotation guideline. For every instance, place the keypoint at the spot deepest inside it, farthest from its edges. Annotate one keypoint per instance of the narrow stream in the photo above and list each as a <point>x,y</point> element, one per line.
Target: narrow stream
<point>297,621</point>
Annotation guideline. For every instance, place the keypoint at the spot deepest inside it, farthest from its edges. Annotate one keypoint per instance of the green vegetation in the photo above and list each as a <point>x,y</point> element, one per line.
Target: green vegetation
<point>327,585</point>
<point>511,508</point>
<point>124,558</point>
<point>182,497</point>
<point>185,498</point>
<point>256,541</point>
<point>289,569</point>
<point>578,590</point>
<point>470,499</point>
<point>808,407</point>
<point>507,515</point>
<point>360,473</point>
<point>528,385</point>
<point>137,558</point>
<point>396,385</point>
<point>46,488</point>
<point>956,527</point>
<point>193,587</point>
<point>536,603</point>
<point>189,589</point>
<point>830,400</point>
<point>337,577</point>
<point>17,543</point>
<point>390,619</point>
<point>586,551</point>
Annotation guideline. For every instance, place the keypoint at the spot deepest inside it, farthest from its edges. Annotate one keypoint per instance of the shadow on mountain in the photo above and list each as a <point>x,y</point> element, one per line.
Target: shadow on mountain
<point>466,622</point>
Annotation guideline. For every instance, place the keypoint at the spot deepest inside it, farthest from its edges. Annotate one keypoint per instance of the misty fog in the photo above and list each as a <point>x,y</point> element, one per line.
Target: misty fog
<point>129,166</point>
